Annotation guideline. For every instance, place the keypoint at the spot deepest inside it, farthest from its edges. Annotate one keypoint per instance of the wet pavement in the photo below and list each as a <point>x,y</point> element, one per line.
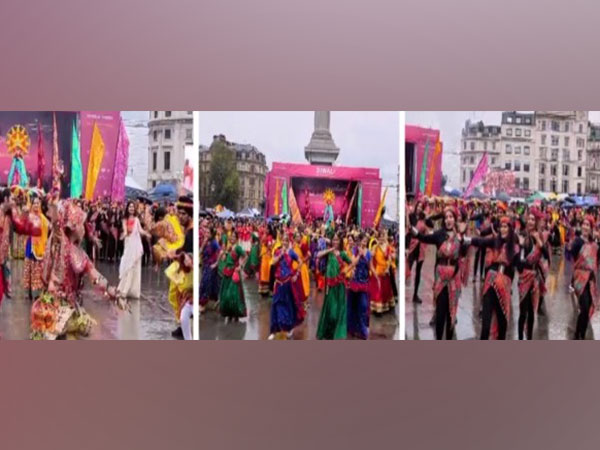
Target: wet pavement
<point>256,325</point>
<point>151,317</point>
<point>557,324</point>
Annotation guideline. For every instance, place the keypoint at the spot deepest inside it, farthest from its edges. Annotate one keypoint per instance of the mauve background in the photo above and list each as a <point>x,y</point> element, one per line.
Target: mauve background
<point>285,55</point>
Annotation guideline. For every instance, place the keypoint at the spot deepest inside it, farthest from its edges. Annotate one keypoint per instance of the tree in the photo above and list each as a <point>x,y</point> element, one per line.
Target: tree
<point>224,177</point>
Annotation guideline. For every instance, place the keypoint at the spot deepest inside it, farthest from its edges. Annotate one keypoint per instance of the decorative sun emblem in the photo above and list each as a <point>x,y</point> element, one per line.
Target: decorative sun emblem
<point>329,196</point>
<point>17,141</point>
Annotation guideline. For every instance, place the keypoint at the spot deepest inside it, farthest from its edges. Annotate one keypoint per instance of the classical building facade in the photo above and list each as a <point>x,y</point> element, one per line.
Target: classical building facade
<point>478,138</point>
<point>593,159</point>
<point>252,169</point>
<point>169,132</point>
<point>546,150</point>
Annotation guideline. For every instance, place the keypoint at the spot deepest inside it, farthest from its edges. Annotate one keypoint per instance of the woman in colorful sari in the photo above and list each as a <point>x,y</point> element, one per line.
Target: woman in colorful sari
<point>358,289</point>
<point>231,294</point>
<point>284,307</point>
<point>333,319</point>
<point>35,249</point>
<point>209,282</point>
<point>447,274</point>
<point>253,261</point>
<point>532,273</point>
<point>266,254</point>
<point>380,289</point>
<point>130,268</point>
<point>503,252</point>
<point>302,250</point>
<point>584,250</point>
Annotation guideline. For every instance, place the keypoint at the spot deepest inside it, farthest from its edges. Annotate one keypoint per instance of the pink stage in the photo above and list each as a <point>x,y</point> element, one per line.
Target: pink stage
<point>309,183</point>
<point>416,139</point>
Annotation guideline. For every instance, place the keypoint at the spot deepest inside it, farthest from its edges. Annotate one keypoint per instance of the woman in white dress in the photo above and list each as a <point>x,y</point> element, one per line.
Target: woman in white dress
<point>130,269</point>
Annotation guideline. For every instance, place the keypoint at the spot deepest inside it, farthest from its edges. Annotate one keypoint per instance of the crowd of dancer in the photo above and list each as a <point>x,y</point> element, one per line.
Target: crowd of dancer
<point>508,241</point>
<point>60,241</point>
<point>355,268</point>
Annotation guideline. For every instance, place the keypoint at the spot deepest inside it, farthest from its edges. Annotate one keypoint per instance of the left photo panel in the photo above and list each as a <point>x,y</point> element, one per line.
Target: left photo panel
<point>96,225</point>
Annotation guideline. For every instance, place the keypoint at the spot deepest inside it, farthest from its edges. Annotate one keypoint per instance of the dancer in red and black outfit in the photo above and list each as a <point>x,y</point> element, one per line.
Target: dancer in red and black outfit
<point>503,253</point>
<point>447,283</point>
<point>532,272</point>
<point>584,249</point>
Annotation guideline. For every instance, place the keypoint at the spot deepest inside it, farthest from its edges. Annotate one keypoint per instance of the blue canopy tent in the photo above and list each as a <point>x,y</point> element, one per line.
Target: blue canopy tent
<point>163,192</point>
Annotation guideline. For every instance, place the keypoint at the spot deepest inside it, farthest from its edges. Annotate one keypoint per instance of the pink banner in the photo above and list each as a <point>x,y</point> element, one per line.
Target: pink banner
<point>108,123</point>
<point>418,137</point>
<point>313,180</point>
<point>479,175</point>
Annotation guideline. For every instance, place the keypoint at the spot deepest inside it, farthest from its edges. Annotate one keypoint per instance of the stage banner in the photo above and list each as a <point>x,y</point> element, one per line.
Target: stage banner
<point>121,162</point>
<point>479,175</point>
<point>76,169</point>
<point>107,123</point>
<point>315,185</point>
<point>39,128</point>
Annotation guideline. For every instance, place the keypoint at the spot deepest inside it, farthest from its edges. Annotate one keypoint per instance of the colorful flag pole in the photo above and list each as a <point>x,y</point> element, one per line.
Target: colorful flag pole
<point>276,203</point>
<point>95,162</point>
<point>294,210</point>
<point>478,175</point>
<point>284,199</point>
<point>40,155</point>
<point>424,168</point>
<point>121,161</point>
<point>359,206</point>
<point>351,203</point>
<point>76,168</point>
<point>431,174</point>
<point>380,209</point>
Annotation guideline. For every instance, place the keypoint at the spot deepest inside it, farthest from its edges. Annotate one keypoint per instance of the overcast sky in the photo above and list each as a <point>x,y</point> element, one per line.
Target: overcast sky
<point>365,138</point>
<point>450,124</point>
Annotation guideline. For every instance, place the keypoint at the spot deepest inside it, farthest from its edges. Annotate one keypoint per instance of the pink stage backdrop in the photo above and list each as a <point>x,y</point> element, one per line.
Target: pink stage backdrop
<point>108,123</point>
<point>419,136</point>
<point>318,178</point>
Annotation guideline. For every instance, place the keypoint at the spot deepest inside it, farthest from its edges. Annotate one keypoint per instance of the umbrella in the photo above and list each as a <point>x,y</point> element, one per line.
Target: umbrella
<point>503,197</point>
<point>226,214</point>
<point>164,191</point>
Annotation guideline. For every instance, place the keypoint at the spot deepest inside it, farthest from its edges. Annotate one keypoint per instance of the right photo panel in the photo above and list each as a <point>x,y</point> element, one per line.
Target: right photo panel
<point>502,224</point>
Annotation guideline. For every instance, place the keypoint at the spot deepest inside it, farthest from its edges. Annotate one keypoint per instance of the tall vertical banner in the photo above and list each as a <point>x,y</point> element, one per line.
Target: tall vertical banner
<point>105,124</point>
<point>479,175</point>
<point>284,199</point>
<point>94,163</point>
<point>432,167</point>
<point>380,209</point>
<point>76,169</point>
<point>424,168</point>
<point>294,210</point>
<point>40,157</point>
<point>121,161</point>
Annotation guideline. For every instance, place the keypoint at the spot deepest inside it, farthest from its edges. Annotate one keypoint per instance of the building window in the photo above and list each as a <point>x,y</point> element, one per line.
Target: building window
<point>578,188</point>
<point>154,183</point>
<point>565,154</point>
<point>554,140</point>
<point>155,135</point>
<point>494,145</point>
<point>554,154</point>
<point>188,134</point>
<point>471,175</point>
<point>526,150</point>
<point>493,161</point>
<point>156,114</point>
<point>566,126</point>
<point>579,171</point>
<point>565,186</point>
<point>517,165</point>
<point>518,150</point>
<point>526,183</point>
<point>518,132</point>
<point>579,155</point>
<point>580,142</point>
<point>485,145</point>
<point>553,170</point>
<point>167,113</point>
<point>527,133</point>
<point>566,141</point>
<point>542,185</point>
<point>566,170</point>
<point>472,160</point>
<point>543,124</point>
<point>542,152</point>
<point>553,185</point>
<point>154,161</point>
<point>508,149</point>
<point>555,125</point>
<point>472,145</point>
<point>167,161</point>
<point>542,169</point>
<point>580,128</point>
<point>525,167</point>
<point>517,183</point>
<point>464,145</point>
<point>509,131</point>
<point>167,134</point>
<point>464,176</point>
<point>543,139</point>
